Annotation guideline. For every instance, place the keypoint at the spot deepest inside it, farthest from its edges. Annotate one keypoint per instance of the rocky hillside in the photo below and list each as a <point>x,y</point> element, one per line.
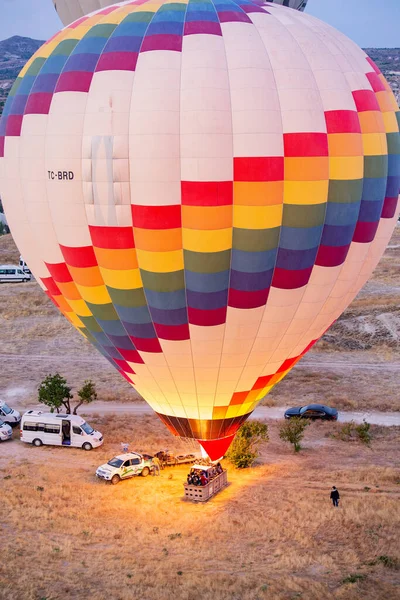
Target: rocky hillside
<point>388,60</point>
<point>15,51</point>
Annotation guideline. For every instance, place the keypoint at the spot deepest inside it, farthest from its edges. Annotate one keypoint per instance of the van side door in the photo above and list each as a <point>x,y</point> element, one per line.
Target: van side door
<point>76,436</point>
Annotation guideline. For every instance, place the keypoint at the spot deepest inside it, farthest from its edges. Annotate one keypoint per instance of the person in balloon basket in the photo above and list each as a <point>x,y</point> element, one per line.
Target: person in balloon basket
<point>156,465</point>
<point>203,478</point>
<point>335,497</point>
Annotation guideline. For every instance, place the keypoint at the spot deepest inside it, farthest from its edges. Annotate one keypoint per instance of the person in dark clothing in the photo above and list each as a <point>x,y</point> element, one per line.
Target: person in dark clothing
<point>335,496</point>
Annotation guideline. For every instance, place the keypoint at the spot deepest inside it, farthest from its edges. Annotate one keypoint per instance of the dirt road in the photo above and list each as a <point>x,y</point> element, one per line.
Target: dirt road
<point>262,412</point>
<point>323,361</point>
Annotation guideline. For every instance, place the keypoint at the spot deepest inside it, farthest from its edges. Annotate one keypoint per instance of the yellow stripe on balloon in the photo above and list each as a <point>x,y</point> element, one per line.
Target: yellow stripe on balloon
<point>160,262</point>
<point>80,308</point>
<point>347,167</point>
<point>257,217</point>
<point>122,279</point>
<point>390,121</point>
<point>95,294</point>
<point>374,144</point>
<point>207,241</point>
<point>306,192</point>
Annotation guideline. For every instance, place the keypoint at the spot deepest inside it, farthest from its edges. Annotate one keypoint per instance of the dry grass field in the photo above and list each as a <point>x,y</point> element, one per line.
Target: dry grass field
<point>271,534</point>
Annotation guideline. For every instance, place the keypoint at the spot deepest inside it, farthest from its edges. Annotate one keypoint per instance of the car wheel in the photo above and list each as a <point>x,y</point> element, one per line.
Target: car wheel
<point>115,479</point>
<point>145,472</point>
<point>87,446</point>
<point>36,442</point>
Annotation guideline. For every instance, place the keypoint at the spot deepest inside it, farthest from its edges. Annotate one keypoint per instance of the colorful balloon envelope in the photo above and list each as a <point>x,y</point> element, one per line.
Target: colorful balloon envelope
<point>201,188</point>
<point>71,10</point>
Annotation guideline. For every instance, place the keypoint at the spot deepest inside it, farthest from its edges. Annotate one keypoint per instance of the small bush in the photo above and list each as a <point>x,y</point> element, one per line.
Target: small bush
<point>390,562</point>
<point>292,431</point>
<point>346,432</point>
<point>351,432</point>
<point>353,578</point>
<point>244,449</point>
<point>363,433</point>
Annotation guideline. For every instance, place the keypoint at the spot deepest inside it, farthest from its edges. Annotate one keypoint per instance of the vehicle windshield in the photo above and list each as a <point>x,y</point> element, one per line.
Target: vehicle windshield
<point>115,462</point>
<point>1,423</point>
<point>87,428</point>
<point>303,409</point>
<point>6,409</point>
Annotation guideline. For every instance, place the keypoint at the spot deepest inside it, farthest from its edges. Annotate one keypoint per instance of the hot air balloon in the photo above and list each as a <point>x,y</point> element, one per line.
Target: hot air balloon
<point>71,10</point>
<point>201,188</point>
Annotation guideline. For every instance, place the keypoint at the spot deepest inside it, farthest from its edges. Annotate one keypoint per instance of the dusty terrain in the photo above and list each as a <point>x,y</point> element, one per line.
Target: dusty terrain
<point>355,366</point>
<point>271,534</point>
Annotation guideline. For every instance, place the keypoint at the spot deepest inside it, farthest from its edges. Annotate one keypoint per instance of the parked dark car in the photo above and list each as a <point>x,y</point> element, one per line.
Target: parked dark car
<point>312,411</point>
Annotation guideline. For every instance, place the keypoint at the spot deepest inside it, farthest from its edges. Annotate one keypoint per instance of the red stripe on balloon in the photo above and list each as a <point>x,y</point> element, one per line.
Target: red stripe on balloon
<point>13,125</point>
<point>286,279</point>
<point>365,100</point>
<point>172,332</point>
<point>79,257</point>
<point>156,217</point>
<point>59,272</point>
<point>51,286</point>
<point>38,104</point>
<point>342,121</point>
<point>365,232</point>
<point>305,144</point>
<point>209,27</point>
<point>122,364</point>
<point>389,208</point>
<point>261,168</point>
<point>207,193</point>
<point>162,42</point>
<point>376,82</point>
<point>131,355</point>
<point>117,61</point>
<point>112,238</point>
<point>331,256</point>
<point>74,81</point>
<point>241,299</point>
<point>146,344</point>
<point>207,318</point>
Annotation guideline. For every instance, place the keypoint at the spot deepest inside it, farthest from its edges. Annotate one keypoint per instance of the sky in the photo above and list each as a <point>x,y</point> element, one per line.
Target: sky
<point>370,23</point>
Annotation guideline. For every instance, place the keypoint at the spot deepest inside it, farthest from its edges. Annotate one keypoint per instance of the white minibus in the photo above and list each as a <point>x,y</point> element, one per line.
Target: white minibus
<point>9,415</point>
<point>53,429</point>
<point>13,274</point>
<point>24,266</point>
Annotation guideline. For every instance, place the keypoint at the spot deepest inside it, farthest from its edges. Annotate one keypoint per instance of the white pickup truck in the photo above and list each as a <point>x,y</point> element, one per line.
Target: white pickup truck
<point>125,466</point>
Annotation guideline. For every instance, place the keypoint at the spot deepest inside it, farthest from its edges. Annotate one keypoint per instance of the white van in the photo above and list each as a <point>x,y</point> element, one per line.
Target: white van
<point>13,274</point>
<point>40,428</point>
<point>8,414</point>
<point>5,431</point>
<point>24,266</point>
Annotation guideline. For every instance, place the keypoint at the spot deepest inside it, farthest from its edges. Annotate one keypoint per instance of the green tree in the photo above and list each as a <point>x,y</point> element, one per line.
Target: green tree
<point>245,447</point>
<point>87,394</point>
<point>292,431</point>
<point>55,393</point>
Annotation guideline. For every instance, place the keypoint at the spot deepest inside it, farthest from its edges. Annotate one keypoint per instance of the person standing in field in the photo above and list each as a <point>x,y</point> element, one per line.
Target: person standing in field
<point>156,465</point>
<point>335,497</point>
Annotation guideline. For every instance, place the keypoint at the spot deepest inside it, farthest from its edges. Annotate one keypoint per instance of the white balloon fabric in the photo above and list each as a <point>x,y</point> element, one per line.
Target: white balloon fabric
<point>71,10</point>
